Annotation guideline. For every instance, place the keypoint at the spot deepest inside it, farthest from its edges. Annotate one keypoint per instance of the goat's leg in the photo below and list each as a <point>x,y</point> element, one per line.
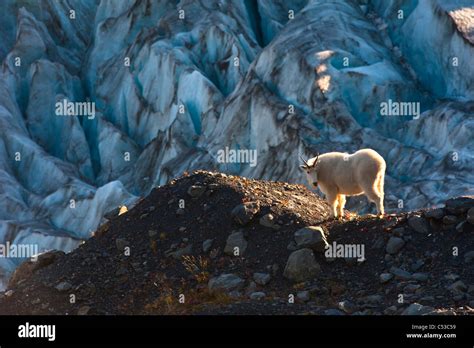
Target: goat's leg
<point>333,202</point>
<point>341,204</point>
<point>377,198</point>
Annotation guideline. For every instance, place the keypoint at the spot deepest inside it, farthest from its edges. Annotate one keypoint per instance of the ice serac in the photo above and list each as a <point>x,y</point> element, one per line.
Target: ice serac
<point>443,55</point>
<point>176,82</point>
<point>60,135</point>
<point>180,71</point>
<point>49,196</point>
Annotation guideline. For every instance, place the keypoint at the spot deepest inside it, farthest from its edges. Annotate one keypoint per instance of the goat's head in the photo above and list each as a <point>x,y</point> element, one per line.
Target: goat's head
<point>311,171</point>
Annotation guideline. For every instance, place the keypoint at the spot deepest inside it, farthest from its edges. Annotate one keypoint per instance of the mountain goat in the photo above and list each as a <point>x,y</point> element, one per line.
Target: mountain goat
<point>339,175</point>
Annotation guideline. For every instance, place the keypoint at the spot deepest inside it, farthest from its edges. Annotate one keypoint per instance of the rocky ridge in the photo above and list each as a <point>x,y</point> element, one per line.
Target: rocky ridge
<point>214,243</point>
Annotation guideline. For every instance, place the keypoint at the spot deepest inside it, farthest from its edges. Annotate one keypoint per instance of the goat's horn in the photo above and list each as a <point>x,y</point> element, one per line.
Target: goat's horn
<point>316,160</point>
<point>306,163</point>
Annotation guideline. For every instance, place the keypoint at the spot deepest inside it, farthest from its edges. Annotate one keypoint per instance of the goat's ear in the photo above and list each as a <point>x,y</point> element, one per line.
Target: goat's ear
<point>303,167</point>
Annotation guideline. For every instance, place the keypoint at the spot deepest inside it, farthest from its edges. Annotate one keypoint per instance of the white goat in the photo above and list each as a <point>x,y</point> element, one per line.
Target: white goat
<point>339,175</point>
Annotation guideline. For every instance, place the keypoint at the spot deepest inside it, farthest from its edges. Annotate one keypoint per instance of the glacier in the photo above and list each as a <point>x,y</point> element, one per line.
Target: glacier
<point>174,82</point>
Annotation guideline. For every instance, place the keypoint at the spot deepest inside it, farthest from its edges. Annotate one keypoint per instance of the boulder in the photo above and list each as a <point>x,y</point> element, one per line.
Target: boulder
<point>258,295</point>
<point>301,266</point>
<point>459,205</point>
<point>245,212</point>
<point>196,191</point>
<point>417,309</point>
<point>385,277</point>
<point>63,286</point>
<point>235,240</point>
<point>225,283</point>
<point>437,213</point>
<point>312,237</point>
<point>261,278</point>
<point>180,252</point>
<point>303,296</point>
<point>418,224</point>
<point>207,245</point>
<point>348,307</point>
<point>400,273</point>
<point>268,220</point>
<point>450,219</point>
<point>420,277</point>
<point>394,245</point>
<point>470,216</point>
<point>469,257</point>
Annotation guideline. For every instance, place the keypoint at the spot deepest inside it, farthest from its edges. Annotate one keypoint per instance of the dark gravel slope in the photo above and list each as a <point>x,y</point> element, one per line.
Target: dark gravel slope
<point>163,257</point>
